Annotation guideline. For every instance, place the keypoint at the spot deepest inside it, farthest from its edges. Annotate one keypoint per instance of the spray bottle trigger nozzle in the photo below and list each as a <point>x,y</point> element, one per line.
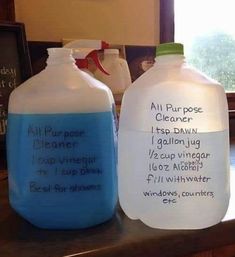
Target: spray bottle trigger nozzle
<point>96,60</point>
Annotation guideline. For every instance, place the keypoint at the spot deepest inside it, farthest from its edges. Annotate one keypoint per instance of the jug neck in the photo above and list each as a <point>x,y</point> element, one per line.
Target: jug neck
<point>170,60</point>
<point>60,56</point>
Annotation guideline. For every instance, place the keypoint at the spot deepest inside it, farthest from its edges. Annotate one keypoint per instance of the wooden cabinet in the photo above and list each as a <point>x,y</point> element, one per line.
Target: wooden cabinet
<point>7,10</point>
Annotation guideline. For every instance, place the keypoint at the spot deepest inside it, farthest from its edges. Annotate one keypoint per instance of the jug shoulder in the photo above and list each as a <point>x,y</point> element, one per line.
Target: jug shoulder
<point>36,96</point>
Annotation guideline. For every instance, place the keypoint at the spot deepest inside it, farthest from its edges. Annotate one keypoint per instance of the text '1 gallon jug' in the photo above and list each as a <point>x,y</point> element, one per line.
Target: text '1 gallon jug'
<point>174,146</point>
<point>61,147</point>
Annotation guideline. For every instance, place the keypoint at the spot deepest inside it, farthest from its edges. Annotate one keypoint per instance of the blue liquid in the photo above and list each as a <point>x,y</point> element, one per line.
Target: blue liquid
<point>62,168</point>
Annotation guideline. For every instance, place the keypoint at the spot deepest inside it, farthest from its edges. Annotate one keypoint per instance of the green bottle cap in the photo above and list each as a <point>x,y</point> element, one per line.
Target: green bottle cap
<point>170,48</point>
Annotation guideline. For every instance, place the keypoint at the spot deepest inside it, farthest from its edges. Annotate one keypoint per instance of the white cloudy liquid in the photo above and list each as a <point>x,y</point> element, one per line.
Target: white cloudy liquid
<point>175,180</point>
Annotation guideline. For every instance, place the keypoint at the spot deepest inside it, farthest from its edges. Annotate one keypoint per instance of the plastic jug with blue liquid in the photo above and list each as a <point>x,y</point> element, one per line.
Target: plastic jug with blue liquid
<point>61,145</point>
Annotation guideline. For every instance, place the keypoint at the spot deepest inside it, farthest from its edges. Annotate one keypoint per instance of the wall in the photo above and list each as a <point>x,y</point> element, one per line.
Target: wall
<point>130,22</point>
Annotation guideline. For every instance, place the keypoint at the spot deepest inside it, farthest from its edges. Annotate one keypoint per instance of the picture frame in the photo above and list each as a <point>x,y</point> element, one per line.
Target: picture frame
<point>140,59</point>
<point>15,68</point>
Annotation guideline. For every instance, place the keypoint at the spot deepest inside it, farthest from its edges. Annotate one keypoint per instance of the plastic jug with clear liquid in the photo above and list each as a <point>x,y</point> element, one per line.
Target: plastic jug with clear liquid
<point>173,146</point>
<point>61,146</point>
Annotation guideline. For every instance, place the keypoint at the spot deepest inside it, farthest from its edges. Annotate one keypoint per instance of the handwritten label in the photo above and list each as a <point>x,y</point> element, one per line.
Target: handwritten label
<point>64,153</point>
<point>180,158</point>
<point>63,168</point>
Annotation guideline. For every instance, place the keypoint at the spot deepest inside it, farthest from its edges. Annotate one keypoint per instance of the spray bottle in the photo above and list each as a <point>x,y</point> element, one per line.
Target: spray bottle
<point>85,49</point>
<point>82,56</point>
<point>120,77</point>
